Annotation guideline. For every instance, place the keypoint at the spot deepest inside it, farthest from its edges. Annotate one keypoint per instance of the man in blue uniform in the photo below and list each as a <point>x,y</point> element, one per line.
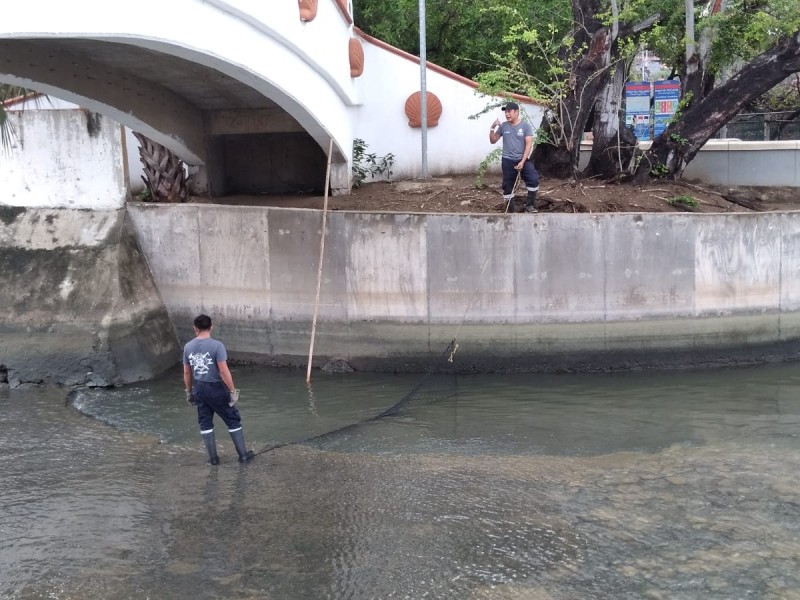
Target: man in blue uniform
<point>517,145</point>
<point>209,385</point>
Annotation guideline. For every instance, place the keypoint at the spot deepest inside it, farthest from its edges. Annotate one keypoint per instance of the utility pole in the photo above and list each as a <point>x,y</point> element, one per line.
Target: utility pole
<point>689,4</point>
<point>423,68</point>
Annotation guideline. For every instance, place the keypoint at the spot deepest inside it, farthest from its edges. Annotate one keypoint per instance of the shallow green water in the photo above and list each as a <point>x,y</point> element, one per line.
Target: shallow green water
<point>678,485</point>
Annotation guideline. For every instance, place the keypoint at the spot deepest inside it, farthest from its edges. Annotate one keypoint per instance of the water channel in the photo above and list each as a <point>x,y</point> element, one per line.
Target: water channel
<point>623,486</point>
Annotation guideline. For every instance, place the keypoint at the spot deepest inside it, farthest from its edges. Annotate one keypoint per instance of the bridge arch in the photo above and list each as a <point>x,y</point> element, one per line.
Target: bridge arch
<point>204,89</point>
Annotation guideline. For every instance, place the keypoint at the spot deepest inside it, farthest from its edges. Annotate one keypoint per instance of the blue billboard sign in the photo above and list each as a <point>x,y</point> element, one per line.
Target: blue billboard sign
<point>637,108</point>
<point>666,96</point>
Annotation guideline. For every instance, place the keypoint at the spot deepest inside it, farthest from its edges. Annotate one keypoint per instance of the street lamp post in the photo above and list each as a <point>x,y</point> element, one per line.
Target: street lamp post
<point>423,61</point>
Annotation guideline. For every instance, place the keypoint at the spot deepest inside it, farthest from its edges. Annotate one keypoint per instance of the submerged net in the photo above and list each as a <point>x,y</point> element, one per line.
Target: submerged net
<point>432,386</point>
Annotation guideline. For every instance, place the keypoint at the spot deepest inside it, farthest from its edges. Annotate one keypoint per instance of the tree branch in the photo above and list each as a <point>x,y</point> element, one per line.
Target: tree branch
<point>628,29</point>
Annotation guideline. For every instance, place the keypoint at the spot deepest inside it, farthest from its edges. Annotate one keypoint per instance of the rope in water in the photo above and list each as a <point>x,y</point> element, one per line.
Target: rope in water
<point>393,410</point>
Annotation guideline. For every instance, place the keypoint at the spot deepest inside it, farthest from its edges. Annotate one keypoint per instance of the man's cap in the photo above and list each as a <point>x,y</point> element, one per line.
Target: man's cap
<point>511,106</point>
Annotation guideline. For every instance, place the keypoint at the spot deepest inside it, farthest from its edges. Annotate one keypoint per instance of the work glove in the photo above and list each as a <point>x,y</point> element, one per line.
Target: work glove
<point>190,399</point>
<point>234,397</point>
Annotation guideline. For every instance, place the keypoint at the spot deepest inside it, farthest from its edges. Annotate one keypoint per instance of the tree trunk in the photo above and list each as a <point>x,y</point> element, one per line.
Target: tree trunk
<point>553,159</point>
<point>590,57</point>
<point>683,138</point>
<point>613,143</point>
<point>164,173</point>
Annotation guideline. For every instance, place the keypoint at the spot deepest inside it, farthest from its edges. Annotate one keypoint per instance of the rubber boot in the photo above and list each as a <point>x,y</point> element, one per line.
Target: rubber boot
<point>238,441</point>
<point>530,202</point>
<point>211,447</point>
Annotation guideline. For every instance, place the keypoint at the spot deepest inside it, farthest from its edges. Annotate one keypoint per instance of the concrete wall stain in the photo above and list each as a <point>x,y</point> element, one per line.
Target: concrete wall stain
<point>9,214</point>
<point>87,313</point>
<point>94,123</point>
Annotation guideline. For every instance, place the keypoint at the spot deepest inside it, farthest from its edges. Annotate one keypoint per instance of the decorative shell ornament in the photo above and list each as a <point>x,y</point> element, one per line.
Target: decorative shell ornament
<point>414,109</point>
<point>308,9</point>
<point>356,52</point>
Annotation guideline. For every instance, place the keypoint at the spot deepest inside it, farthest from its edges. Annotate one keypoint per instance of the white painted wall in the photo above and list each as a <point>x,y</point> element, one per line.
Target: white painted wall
<point>135,170</point>
<point>456,145</point>
<point>80,171</point>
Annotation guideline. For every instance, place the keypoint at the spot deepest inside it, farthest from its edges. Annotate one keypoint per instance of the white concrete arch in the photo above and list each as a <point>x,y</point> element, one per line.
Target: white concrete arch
<point>304,78</point>
<point>136,103</point>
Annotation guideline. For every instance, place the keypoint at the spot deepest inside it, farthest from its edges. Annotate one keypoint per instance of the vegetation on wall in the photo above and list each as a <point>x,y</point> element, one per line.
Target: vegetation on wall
<point>7,92</point>
<point>368,164</point>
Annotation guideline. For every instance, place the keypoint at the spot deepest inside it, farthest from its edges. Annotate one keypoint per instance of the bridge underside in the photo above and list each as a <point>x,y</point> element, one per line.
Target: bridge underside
<point>239,140</point>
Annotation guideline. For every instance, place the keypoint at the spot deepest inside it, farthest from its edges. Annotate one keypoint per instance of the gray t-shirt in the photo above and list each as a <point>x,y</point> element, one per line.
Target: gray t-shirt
<point>202,355</point>
<point>514,138</point>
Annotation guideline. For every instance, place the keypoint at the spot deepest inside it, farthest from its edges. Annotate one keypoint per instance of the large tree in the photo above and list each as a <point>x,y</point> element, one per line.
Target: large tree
<point>758,41</point>
<point>588,54</point>
<point>575,58</point>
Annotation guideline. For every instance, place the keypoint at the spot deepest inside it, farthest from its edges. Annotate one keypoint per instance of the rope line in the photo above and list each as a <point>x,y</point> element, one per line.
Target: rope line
<point>393,410</point>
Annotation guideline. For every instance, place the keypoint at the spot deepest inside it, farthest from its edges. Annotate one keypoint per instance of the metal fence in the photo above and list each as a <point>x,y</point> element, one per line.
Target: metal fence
<point>762,127</point>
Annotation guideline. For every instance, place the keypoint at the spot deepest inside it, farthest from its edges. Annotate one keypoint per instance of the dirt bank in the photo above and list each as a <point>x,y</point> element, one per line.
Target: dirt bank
<point>462,194</point>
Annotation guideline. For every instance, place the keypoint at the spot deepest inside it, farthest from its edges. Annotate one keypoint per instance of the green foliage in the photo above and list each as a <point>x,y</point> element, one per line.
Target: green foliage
<point>368,164</point>
<point>461,35</point>
<point>743,30</point>
<point>528,60</point>
<point>145,195</point>
<point>681,141</point>
<point>685,101</point>
<point>7,92</point>
<point>483,167</point>
<point>683,200</point>
<point>6,130</point>
<point>659,170</point>
<point>535,60</point>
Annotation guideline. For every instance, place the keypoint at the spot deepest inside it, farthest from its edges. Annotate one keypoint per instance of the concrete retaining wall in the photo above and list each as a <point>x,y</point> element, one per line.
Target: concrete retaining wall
<point>732,162</point>
<point>529,292</point>
<point>737,163</point>
<point>79,302</point>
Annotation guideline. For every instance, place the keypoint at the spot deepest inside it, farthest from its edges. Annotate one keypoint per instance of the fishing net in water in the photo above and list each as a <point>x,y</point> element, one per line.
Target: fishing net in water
<point>438,382</point>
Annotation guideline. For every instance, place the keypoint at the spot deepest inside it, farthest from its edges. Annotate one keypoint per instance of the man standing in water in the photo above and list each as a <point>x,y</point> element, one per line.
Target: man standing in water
<point>205,361</point>
<point>517,145</point>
